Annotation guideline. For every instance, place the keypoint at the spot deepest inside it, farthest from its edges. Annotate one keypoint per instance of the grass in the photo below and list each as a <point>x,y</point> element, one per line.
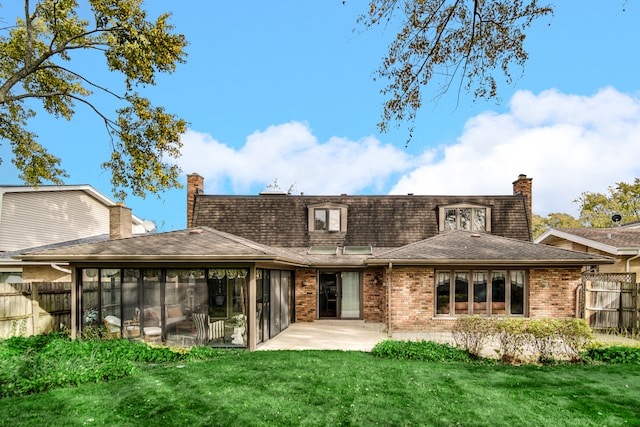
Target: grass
<point>318,388</point>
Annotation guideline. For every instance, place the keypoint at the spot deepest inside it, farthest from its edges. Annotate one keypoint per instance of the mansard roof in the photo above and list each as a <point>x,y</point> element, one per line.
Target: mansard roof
<point>377,221</point>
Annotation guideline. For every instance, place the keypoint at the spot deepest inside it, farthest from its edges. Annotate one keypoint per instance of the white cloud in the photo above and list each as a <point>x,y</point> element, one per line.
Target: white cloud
<point>568,144</point>
<point>291,154</point>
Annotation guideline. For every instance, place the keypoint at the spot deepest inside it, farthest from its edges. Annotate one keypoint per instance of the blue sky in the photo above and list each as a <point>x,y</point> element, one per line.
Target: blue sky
<point>284,91</point>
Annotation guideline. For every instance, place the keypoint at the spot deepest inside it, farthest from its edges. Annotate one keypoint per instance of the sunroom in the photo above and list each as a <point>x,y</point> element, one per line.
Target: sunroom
<point>189,287</point>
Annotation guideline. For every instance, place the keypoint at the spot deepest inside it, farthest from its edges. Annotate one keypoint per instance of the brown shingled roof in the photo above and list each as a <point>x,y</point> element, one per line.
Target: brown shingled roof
<point>378,221</point>
<point>464,247</point>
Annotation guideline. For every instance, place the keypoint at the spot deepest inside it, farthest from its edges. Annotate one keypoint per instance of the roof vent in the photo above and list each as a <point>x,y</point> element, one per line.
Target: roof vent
<point>475,235</point>
<point>273,193</point>
<point>195,231</point>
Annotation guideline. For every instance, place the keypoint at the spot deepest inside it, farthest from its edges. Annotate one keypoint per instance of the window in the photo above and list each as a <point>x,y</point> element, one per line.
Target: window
<point>327,219</point>
<point>10,276</point>
<point>498,292</point>
<point>462,217</point>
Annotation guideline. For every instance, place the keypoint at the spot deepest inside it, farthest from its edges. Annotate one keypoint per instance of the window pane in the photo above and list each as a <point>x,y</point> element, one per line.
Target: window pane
<point>465,219</point>
<point>110,292</point>
<point>334,219</point>
<point>479,220</point>
<point>462,293</point>
<point>10,277</point>
<point>498,280</point>
<point>443,293</point>
<point>517,292</point>
<point>131,303</point>
<point>321,219</point>
<point>350,296</point>
<point>480,292</point>
<point>90,299</point>
<point>450,219</point>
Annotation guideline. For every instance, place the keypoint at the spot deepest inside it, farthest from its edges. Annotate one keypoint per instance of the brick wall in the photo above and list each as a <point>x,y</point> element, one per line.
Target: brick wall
<point>374,296</point>
<point>552,292</point>
<point>306,295</point>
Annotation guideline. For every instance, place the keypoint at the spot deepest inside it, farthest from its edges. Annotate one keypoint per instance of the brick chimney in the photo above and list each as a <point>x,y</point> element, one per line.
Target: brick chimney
<point>195,185</point>
<point>523,186</point>
<point>120,222</point>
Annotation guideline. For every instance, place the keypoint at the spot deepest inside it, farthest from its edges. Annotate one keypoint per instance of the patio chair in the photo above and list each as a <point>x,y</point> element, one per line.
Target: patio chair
<point>113,327</point>
<point>201,320</point>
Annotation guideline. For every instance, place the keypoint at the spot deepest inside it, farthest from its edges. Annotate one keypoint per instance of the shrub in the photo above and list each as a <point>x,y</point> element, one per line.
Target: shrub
<point>427,351</point>
<point>613,354</point>
<point>575,335</point>
<point>472,333</point>
<point>513,339</point>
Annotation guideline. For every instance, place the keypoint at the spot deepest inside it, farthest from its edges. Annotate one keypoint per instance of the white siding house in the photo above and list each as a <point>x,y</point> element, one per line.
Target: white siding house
<point>32,217</point>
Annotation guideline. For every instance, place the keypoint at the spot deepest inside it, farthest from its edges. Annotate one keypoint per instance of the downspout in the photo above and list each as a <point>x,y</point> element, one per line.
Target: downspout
<point>628,266</point>
<point>389,328</point>
<point>57,267</point>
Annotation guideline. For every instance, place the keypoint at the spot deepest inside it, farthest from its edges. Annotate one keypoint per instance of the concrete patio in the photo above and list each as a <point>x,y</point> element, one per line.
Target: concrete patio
<point>356,335</point>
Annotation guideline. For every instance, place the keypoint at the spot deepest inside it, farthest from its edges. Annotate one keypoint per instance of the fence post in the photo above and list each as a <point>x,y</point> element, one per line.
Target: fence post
<point>636,308</point>
<point>34,309</point>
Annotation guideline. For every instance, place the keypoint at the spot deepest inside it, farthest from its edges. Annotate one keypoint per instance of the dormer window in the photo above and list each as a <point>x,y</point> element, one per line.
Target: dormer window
<point>465,217</point>
<point>328,218</point>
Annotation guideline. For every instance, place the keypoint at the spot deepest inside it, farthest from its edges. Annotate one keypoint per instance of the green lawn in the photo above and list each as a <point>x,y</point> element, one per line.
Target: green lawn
<point>322,388</point>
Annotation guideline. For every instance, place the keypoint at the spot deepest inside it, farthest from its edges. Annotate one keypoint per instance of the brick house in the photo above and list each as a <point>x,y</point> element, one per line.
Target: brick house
<point>250,265</point>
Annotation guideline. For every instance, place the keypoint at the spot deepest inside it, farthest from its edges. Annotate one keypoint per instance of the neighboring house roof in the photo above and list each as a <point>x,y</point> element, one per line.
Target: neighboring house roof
<point>378,221</point>
<point>8,258</point>
<point>201,244</point>
<point>614,241</point>
<point>468,248</point>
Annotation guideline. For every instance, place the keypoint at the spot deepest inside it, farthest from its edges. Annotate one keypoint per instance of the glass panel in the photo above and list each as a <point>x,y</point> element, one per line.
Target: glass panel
<point>350,296</point>
<point>321,219</point>
<point>462,292</point>
<point>10,277</point>
<point>110,292</point>
<point>465,219</point>
<point>517,292</point>
<point>334,219</point>
<point>498,281</point>
<point>450,219</point>
<point>480,292</point>
<point>259,306</point>
<point>90,299</point>
<point>131,303</point>
<point>443,291</point>
<point>479,220</point>
<point>238,290</point>
<point>218,297</point>
<point>152,317</point>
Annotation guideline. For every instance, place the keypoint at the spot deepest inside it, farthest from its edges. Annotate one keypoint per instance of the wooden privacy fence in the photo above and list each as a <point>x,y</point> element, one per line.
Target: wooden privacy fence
<point>610,301</point>
<point>34,308</point>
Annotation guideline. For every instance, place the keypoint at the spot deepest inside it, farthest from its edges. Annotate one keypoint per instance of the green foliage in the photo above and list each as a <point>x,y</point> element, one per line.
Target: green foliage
<point>548,339</point>
<point>445,39</point>
<point>512,339</point>
<point>553,220</point>
<point>613,354</point>
<point>43,362</point>
<point>36,52</point>
<point>426,351</point>
<point>473,332</point>
<point>596,209</point>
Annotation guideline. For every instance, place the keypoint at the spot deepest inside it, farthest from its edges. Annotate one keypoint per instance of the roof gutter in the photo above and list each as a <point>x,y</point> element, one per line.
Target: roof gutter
<point>491,262</point>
